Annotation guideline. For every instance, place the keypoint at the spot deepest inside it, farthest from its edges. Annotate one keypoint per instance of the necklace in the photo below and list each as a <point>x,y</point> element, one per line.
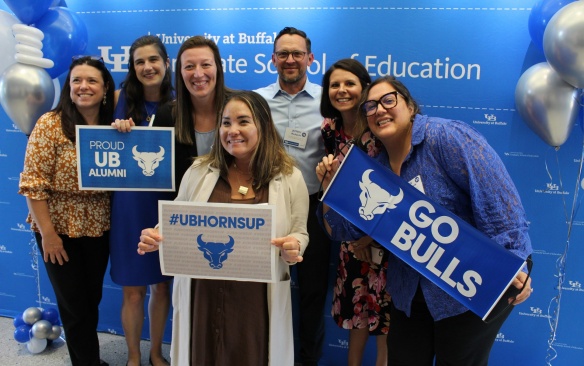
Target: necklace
<point>150,114</point>
<point>242,189</point>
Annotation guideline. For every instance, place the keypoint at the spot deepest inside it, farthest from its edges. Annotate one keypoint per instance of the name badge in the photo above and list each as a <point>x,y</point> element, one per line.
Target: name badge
<point>295,137</point>
<point>417,183</point>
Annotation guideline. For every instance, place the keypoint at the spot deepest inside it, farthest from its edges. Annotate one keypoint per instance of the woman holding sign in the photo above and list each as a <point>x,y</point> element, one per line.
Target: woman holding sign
<point>456,168</point>
<point>146,87</point>
<point>71,226</point>
<point>233,322</point>
<point>360,301</point>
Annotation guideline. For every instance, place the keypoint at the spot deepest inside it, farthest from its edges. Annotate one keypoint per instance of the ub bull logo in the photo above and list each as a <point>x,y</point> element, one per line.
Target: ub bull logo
<point>148,161</point>
<point>215,253</point>
<point>374,199</point>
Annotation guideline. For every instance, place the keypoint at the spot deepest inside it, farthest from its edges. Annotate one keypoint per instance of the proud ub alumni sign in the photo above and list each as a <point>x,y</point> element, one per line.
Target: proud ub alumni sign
<point>141,160</point>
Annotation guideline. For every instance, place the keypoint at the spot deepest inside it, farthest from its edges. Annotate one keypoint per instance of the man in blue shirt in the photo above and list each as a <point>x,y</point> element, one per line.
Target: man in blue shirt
<point>295,105</point>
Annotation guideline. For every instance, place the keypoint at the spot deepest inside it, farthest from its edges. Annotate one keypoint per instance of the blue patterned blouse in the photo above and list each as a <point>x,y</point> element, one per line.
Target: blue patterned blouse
<point>461,172</point>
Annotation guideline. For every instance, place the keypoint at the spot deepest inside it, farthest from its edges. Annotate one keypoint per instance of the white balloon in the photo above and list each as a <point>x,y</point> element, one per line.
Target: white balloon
<point>36,345</point>
<point>29,31</point>
<point>7,41</point>
<point>27,40</point>
<point>45,63</point>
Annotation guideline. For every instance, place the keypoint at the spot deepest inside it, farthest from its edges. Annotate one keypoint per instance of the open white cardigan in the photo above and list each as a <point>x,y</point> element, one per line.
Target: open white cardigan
<point>290,196</point>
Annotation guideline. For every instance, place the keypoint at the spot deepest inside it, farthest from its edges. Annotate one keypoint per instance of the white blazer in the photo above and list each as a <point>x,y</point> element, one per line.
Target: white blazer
<point>290,196</point>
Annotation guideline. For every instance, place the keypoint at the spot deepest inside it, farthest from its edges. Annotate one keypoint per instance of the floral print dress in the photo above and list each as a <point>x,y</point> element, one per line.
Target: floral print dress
<point>359,296</point>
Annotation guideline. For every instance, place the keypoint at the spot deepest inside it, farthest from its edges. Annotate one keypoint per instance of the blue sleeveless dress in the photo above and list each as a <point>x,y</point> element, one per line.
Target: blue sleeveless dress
<point>133,211</point>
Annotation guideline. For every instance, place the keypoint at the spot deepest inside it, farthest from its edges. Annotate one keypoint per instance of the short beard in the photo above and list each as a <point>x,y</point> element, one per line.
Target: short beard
<point>294,80</point>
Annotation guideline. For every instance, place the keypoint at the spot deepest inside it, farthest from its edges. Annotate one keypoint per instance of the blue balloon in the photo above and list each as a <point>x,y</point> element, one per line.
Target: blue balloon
<point>50,314</point>
<point>540,15</point>
<point>18,321</point>
<point>28,11</point>
<point>65,37</point>
<point>22,333</point>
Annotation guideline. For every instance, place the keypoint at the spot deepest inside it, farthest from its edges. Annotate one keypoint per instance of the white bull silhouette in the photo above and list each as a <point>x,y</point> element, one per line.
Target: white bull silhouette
<point>374,199</point>
<point>148,161</point>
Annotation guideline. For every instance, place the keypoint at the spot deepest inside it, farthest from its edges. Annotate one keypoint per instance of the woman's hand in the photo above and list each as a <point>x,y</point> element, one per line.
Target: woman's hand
<point>289,248</point>
<point>123,125</point>
<point>327,168</point>
<point>518,283</point>
<point>53,249</point>
<point>362,249</point>
<point>149,241</point>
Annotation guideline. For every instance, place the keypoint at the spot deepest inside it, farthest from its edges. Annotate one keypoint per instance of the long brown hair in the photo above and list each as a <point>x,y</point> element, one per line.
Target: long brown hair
<point>182,110</point>
<point>269,158</point>
<point>134,88</point>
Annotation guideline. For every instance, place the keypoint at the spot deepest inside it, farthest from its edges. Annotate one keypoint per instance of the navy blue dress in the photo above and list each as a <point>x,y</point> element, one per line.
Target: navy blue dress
<point>133,211</point>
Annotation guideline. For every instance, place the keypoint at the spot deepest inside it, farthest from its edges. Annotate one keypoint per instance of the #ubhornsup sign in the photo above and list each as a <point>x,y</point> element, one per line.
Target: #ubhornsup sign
<point>447,250</point>
<point>140,160</point>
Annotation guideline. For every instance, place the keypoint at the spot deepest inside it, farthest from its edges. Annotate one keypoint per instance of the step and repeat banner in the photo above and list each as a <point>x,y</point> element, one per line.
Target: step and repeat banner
<point>460,60</point>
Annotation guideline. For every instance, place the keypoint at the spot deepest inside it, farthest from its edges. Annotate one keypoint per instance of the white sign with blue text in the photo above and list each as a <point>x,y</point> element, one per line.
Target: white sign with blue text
<point>217,240</point>
<point>447,250</point>
<point>141,160</point>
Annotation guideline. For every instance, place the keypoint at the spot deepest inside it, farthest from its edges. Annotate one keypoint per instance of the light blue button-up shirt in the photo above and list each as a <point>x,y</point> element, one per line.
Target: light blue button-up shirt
<point>300,111</point>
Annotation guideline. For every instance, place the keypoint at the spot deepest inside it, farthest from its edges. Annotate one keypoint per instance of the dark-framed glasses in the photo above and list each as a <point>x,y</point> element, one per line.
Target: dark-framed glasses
<point>388,101</point>
<point>91,57</point>
<point>296,55</point>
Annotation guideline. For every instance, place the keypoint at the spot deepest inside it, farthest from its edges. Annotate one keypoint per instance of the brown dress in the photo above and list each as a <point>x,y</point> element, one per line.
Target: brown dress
<point>230,318</point>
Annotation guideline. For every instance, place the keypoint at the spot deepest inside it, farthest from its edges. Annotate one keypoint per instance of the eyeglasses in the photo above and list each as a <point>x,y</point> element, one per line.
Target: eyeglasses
<point>90,57</point>
<point>296,55</point>
<point>388,101</point>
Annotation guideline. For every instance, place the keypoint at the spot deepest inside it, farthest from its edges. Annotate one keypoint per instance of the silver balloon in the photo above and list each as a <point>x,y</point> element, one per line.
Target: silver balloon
<point>547,104</point>
<point>42,329</point>
<point>26,92</point>
<point>36,345</point>
<point>55,333</point>
<point>31,315</point>
<point>563,43</point>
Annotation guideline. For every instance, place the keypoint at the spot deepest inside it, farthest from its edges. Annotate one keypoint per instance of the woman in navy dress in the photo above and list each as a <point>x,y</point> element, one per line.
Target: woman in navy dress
<point>146,87</point>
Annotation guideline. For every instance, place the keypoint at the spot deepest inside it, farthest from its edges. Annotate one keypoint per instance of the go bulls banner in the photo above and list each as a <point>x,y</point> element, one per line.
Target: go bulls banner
<point>141,160</point>
<point>447,250</point>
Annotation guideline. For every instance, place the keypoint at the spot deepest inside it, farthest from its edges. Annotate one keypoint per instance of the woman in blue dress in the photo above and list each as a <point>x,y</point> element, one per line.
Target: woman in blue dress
<point>146,87</point>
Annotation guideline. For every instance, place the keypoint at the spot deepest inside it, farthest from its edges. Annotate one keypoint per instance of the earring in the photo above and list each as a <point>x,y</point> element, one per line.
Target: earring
<point>104,101</point>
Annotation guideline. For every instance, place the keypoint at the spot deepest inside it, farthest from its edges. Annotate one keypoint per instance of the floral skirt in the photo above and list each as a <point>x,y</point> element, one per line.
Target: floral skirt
<point>359,296</point>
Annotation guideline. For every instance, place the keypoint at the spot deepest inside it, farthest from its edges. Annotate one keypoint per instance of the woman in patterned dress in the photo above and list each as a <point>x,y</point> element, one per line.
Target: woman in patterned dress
<point>71,226</point>
<point>360,302</point>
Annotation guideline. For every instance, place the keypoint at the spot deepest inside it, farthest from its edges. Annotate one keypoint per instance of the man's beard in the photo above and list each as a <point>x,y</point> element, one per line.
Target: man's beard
<point>292,80</point>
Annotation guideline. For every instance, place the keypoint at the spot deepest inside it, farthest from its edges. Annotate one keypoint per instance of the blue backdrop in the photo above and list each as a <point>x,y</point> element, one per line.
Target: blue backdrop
<point>459,61</point>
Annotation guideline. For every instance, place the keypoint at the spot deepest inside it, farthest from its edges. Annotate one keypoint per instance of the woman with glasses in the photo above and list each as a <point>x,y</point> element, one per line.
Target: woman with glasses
<point>71,226</point>
<point>461,172</point>
<point>146,87</point>
<point>360,302</point>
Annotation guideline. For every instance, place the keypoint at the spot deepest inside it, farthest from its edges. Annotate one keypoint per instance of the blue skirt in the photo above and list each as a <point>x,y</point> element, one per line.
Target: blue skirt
<point>131,213</point>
